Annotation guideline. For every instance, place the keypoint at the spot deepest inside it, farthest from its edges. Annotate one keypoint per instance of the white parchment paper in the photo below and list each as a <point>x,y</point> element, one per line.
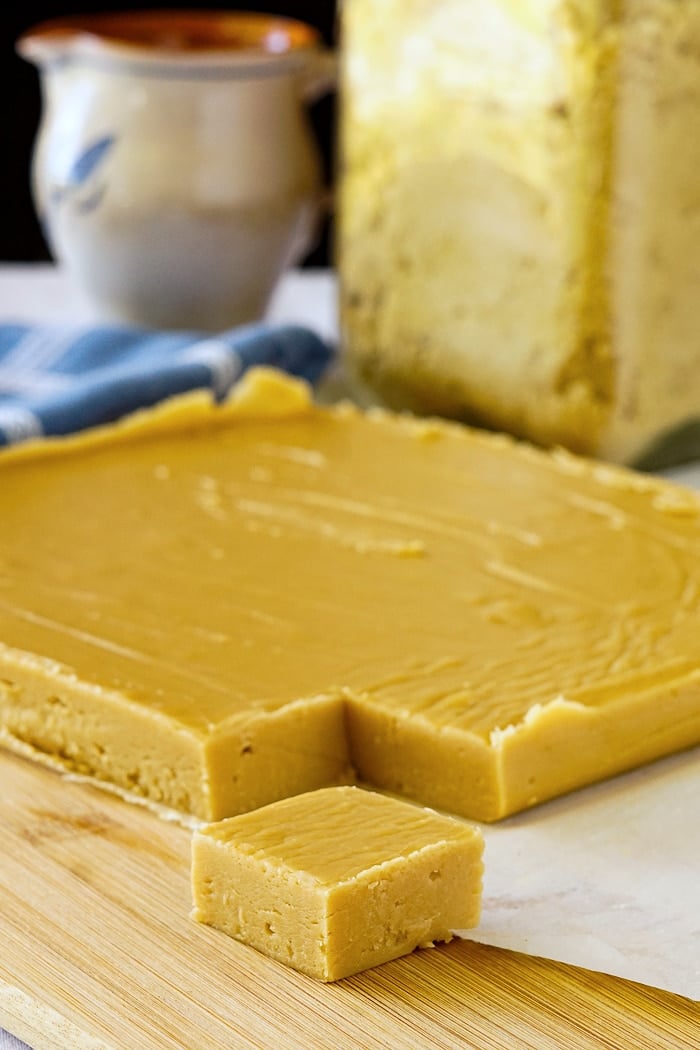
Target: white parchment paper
<point>607,878</point>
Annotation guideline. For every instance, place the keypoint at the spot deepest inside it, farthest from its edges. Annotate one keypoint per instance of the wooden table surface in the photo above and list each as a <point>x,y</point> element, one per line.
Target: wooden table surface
<point>98,950</point>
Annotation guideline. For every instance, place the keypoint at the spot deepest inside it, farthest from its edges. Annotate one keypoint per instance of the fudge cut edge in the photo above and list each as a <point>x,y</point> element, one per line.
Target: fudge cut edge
<point>254,759</point>
<point>556,748</point>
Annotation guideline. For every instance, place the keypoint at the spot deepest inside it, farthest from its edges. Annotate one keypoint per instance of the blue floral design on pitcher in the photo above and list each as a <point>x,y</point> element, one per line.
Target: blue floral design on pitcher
<point>82,186</point>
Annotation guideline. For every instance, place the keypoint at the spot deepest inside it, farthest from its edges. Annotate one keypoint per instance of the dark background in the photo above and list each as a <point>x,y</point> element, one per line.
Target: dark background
<point>21,239</point>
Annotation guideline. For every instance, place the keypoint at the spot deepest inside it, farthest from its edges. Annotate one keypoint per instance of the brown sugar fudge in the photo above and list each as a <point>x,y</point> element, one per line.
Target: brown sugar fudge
<point>215,606</point>
<point>338,880</point>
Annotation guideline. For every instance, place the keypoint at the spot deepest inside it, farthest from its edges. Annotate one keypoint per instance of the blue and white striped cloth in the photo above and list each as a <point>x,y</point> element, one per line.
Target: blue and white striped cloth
<point>55,380</point>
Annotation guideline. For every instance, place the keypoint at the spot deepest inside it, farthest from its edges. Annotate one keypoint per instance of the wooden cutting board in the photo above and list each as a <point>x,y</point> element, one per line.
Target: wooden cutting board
<point>97,950</point>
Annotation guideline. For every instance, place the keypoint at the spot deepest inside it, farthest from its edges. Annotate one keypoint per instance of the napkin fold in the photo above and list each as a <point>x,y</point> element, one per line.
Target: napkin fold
<point>56,380</point>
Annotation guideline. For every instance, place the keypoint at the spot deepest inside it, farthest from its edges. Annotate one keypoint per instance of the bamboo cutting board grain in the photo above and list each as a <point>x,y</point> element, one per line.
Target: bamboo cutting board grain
<point>97,951</point>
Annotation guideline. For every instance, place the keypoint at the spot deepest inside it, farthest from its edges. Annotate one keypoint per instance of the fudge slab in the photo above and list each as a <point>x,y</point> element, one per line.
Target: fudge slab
<point>338,880</point>
<point>215,606</point>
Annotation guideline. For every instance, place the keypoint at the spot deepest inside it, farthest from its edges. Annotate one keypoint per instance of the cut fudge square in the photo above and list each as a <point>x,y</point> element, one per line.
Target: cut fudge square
<point>338,880</point>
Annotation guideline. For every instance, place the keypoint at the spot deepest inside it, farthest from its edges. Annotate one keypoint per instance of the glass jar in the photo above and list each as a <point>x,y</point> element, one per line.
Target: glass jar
<point>519,214</point>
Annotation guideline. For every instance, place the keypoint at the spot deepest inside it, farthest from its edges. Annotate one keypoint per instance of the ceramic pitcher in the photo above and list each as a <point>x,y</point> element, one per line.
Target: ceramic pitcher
<point>175,172</point>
